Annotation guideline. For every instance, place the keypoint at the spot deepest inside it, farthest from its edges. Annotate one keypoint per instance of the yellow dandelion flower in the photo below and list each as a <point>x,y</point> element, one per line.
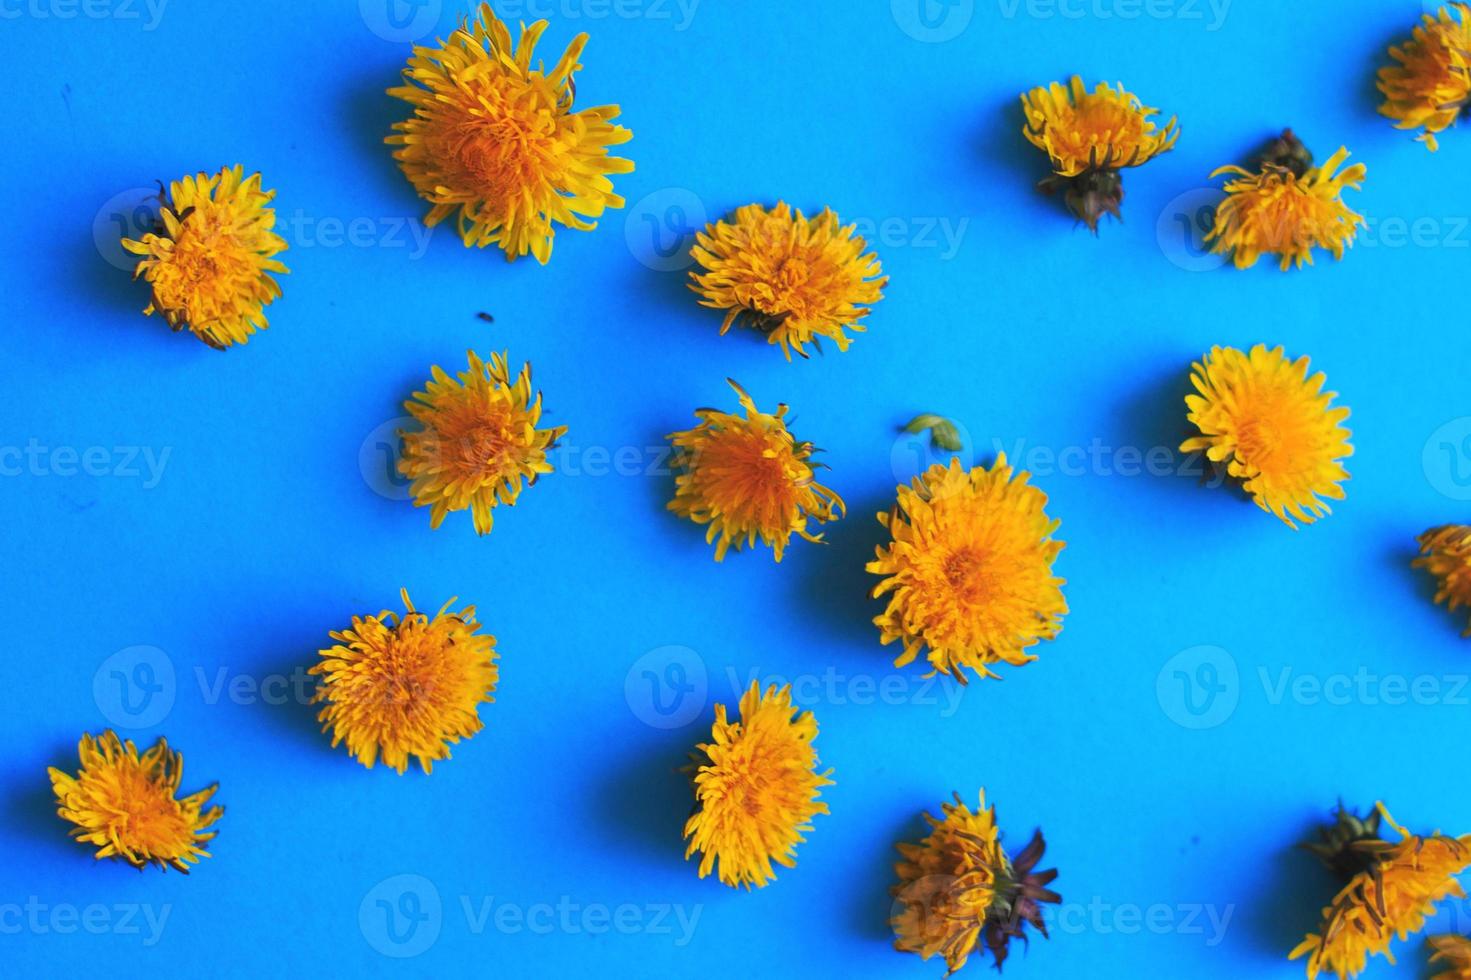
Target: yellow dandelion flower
<point>756,786</point>
<point>1391,895</point>
<point>1455,953</point>
<point>748,478</point>
<point>479,441</point>
<point>497,140</point>
<point>396,687</point>
<point>1272,425</point>
<point>128,806</point>
<point>795,279</point>
<point>957,887</point>
<point>1432,82</point>
<point>210,257</point>
<point>1445,552</point>
<point>969,569</point>
<point>1286,207</point>
<point>1089,137</point>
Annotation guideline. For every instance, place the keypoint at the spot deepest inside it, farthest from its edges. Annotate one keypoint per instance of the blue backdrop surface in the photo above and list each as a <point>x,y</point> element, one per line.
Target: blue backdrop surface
<point>183,527</point>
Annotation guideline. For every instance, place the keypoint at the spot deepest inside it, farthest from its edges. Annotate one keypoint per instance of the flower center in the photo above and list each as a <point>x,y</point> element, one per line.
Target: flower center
<point>483,448</point>
<point>206,267</point>
<point>497,142</point>
<point>785,291</point>
<point>966,572</point>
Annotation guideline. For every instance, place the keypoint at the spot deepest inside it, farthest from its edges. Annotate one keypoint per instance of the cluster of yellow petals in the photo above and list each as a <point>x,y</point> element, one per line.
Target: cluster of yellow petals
<point>405,687</point>
<point>1274,211</point>
<point>794,278</point>
<point>1104,129</point>
<point>127,805</point>
<point>1445,552</point>
<point>1273,427</point>
<point>748,477</point>
<point>969,569</point>
<point>1454,952</point>
<point>948,884</point>
<point>210,261</point>
<point>756,786</point>
<point>497,140</point>
<point>1432,82</point>
<point>1393,897</point>
<point>479,440</point>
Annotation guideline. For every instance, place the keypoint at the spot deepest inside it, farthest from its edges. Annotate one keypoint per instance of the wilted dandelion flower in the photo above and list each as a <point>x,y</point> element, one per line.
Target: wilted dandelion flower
<point>1286,207</point>
<point>957,888</point>
<point>748,477</point>
<point>795,279</point>
<point>210,257</point>
<point>756,786</point>
<point>1454,953</point>
<point>1432,82</point>
<point>1445,552</point>
<point>498,141</point>
<point>479,441</point>
<point>412,686</point>
<point>128,806</point>
<point>1392,890</point>
<point>1272,425</point>
<point>969,570</point>
<point>1090,137</point>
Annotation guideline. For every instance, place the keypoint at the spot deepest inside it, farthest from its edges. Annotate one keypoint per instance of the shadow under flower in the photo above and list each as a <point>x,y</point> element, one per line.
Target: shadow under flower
<point>837,586</point>
<point>872,904</point>
<point>1154,419</point>
<point>1291,904</point>
<point>32,808</point>
<point>646,798</point>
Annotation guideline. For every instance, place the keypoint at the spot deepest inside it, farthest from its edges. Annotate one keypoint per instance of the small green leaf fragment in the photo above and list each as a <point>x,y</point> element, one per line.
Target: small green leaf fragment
<point>943,433</point>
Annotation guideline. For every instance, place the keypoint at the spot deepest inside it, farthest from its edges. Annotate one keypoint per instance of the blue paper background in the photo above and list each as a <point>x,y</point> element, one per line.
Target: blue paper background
<point>266,518</point>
